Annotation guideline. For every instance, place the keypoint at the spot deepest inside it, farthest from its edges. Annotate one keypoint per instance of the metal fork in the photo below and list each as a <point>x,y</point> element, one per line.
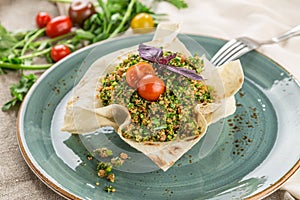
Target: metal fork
<point>235,48</point>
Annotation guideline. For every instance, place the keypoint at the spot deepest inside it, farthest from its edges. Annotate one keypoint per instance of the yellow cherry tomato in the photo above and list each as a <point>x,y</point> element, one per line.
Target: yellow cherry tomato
<point>142,23</point>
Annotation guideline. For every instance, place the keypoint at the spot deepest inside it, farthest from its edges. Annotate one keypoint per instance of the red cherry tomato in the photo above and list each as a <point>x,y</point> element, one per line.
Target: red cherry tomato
<point>80,10</point>
<point>58,26</point>
<point>138,71</point>
<point>150,87</point>
<point>59,51</point>
<point>42,19</point>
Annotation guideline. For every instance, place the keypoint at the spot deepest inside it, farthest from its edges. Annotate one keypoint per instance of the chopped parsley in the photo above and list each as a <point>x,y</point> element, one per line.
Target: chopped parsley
<point>172,115</point>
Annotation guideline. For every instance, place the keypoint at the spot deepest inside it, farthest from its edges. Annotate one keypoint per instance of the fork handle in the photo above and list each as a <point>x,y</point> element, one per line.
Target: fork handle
<point>293,32</point>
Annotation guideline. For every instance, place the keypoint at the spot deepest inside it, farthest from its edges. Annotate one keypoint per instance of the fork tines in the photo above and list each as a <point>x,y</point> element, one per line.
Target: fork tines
<point>230,51</point>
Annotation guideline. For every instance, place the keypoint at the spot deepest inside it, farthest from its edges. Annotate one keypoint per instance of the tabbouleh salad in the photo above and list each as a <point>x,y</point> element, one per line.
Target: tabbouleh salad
<point>172,115</point>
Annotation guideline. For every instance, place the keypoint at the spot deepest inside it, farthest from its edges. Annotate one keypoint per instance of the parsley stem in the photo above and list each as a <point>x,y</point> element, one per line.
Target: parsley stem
<point>105,9</point>
<point>125,18</point>
<point>29,41</point>
<point>106,15</point>
<point>30,67</point>
<point>55,39</point>
<point>32,55</point>
<point>22,42</point>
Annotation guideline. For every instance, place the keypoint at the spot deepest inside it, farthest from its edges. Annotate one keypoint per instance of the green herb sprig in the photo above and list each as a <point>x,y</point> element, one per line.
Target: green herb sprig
<point>19,50</point>
<point>18,91</point>
<point>177,3</point>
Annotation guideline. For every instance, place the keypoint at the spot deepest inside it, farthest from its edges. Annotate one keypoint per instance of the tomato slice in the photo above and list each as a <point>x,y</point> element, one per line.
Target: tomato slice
<point>150,87</point>
<point>138,71</point>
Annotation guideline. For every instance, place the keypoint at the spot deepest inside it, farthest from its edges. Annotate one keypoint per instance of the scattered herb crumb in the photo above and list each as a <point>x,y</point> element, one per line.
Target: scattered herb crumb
<point>90,156</point>
<point>104,152</point>
<point>117,161</point>
<point>111,177</point>
<point>109,189</point>
<point>124,156</point>
<point>104,169</point>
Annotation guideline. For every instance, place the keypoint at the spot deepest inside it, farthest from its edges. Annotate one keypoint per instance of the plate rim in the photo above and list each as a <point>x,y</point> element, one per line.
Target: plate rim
<point>64,193</point>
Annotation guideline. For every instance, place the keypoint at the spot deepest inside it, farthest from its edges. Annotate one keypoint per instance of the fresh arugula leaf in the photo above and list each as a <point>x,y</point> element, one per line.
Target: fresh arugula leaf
<point>139,8</point>
<point>117,6</point>
<point>178,3</point>
<point>18,91</point>
<point>7,41</point>
<point>84,35</point>
<point>19,35</point>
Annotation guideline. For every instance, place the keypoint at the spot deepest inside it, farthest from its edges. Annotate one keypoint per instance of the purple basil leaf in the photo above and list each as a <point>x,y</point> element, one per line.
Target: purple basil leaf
<point>155,55</point>
<point>184,72</point>
<point>150,53</point>
<point>165,60</point>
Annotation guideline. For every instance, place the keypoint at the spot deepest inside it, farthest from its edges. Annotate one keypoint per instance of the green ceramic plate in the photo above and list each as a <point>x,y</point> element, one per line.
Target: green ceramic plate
<point>257,150</point>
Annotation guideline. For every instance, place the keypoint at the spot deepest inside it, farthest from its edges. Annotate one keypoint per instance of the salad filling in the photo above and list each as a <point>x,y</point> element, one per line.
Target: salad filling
<point>172,115</point>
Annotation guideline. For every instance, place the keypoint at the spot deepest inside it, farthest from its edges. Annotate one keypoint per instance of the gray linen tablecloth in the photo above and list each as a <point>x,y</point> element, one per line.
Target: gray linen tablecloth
<point>17,181</point>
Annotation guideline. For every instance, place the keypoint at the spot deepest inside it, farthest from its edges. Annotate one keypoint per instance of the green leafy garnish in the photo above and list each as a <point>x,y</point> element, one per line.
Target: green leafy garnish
<point>178,3</point>
<point>7,41</point>
<point>18,50</point>
<point>18,91</point>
